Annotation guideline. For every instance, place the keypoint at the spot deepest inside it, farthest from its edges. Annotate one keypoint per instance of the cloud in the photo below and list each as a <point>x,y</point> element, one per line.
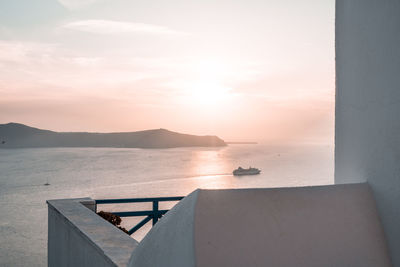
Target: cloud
<point>18,51</point>
<point>116,27</point>
<point>28,69</point>
<point>76,4</point>
<point>287,88</point>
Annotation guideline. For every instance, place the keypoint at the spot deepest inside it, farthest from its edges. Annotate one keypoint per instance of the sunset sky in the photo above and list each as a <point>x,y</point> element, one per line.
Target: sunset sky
<point>255,70</point>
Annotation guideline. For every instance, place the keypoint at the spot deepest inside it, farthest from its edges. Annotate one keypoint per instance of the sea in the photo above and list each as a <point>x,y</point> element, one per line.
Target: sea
<point>128,173</point>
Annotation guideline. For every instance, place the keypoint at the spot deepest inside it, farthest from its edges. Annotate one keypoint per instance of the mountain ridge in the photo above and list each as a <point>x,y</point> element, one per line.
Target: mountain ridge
<point>17,135</point>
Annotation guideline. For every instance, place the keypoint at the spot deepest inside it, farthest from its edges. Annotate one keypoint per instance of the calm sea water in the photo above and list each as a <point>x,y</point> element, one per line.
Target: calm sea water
<point>120,173</point>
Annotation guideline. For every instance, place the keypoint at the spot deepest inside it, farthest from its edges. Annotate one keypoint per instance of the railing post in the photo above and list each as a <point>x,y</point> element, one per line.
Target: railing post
<point>155,212</point>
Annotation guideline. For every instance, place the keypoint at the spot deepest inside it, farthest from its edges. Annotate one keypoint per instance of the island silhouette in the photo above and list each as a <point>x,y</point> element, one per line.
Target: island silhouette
<point>16,135</point>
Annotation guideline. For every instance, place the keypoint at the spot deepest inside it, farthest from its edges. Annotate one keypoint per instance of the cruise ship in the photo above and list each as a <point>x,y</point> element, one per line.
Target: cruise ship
<point>250,171</point>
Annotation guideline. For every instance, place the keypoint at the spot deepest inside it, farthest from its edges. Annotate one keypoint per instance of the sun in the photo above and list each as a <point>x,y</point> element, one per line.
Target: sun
<point>208,83</point>
<point>208,92</point>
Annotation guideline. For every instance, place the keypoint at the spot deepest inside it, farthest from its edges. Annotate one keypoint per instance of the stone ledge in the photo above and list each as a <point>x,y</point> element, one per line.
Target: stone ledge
<point>93,232</point>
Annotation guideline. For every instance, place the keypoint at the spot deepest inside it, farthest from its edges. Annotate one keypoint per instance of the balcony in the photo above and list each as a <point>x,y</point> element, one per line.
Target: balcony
<point>336,225</point>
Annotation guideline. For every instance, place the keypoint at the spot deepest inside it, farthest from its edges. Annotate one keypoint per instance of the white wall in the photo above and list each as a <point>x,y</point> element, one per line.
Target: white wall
<point>334,225</point>
<point>170,243</point>
<point>77,237</point>
<point>368,104</point>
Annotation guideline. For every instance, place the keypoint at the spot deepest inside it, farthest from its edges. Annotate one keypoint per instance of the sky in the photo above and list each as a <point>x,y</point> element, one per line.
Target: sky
<point>245,70</point>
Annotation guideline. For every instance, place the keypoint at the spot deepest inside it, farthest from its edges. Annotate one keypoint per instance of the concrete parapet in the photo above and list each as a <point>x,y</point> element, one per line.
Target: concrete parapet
<point>335,225</point>
<point>77,236</point>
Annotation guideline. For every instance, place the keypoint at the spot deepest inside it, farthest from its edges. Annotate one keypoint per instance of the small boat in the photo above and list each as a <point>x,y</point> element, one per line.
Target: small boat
<point>249,171</point>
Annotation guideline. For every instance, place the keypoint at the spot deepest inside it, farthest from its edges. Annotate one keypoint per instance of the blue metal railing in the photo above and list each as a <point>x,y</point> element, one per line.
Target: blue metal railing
<point>155,214</point>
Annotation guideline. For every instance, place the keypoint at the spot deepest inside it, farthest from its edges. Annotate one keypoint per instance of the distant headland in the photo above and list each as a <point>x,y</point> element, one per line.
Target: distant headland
<point>16,135</point>
<point>242,143</point>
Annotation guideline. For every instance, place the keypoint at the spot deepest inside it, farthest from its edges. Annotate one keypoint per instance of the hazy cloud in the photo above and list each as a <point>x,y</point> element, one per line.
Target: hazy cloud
<point>116,27</point>
<point>28,69</point>
<point>76,4</point>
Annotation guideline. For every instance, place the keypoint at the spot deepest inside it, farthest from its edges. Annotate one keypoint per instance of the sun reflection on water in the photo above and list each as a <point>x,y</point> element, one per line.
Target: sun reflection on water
<point>212,168</point>
<point>209,162</point>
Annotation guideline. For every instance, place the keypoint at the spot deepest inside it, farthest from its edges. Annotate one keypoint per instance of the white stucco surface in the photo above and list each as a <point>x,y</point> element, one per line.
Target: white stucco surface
<point>334,225</point>
<point>170,242</point>
<point>367,141</point>
<point>77,236</point>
